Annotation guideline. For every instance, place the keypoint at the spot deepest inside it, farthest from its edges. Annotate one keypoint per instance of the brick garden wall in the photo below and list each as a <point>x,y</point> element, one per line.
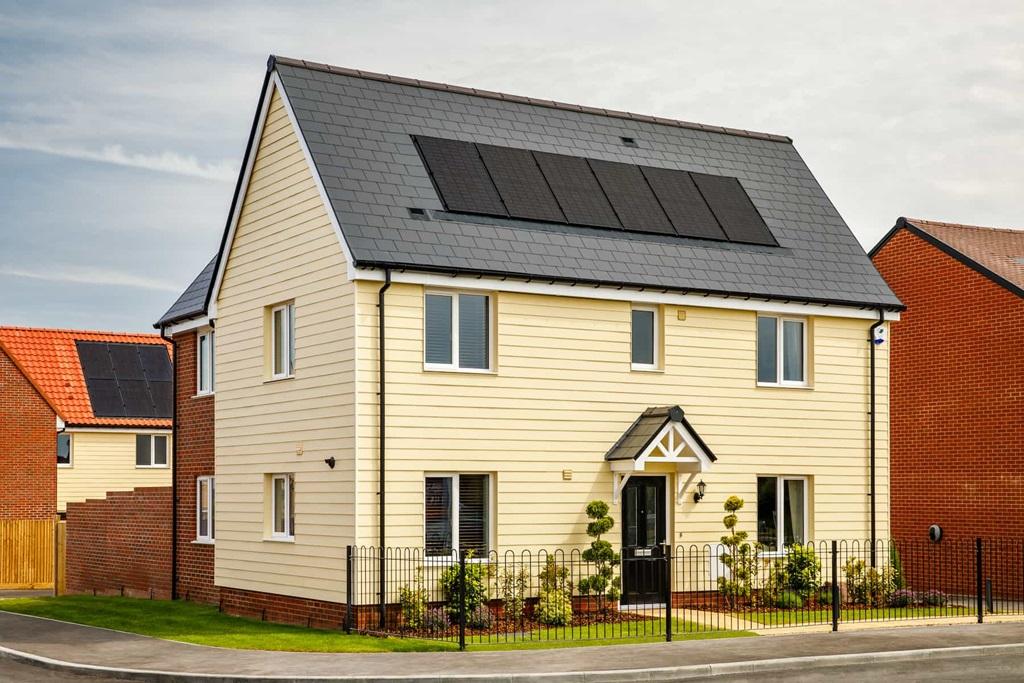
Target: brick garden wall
<point>28,448</point>
<point>957,397</point>
<point>121,544</point>
<point>194,457</point>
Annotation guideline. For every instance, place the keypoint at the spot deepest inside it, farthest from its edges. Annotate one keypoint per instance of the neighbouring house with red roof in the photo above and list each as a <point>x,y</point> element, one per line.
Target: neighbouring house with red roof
<point>957,379</point>
<point>81,414</point>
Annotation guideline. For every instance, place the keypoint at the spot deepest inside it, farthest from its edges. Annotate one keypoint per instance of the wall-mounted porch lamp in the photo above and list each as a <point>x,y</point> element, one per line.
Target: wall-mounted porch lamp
<point>699,493</point>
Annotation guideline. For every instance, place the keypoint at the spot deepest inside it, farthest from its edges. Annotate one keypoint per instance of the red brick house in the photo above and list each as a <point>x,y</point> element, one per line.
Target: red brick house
<point>957,379</point>
<point>192,335</point>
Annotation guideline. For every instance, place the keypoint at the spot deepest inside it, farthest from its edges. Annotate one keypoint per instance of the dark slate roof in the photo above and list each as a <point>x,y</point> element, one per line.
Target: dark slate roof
<point>358,126</point>
<point>192,302</point>
<point>639,435</point>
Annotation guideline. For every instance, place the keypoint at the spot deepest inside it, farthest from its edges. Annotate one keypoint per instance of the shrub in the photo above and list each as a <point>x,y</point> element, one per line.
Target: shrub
<point>776,582</point>
<point>554,606</point>
<point>436,619</point>
<point>897,567</point>
<point>825,594</point>
<point>739,557</point>
<point>476,587</point>
<point>604,582</point>
<point>933,598</point>
<point>513,586</point>
<point>868,585</point>
<point>413,599</point>
<point>789,600</point>
<point>903,598</point>
<point>803,570</point>
<point>481,617</point>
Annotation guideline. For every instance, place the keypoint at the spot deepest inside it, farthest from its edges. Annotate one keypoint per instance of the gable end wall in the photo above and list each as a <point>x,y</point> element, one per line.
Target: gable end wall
<point>28,448</point>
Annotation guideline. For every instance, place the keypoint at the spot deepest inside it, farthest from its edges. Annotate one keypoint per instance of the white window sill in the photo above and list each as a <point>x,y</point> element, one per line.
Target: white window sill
<point>69,466</point>
<point>203,394</point>
<point>280,378</point>
<point>203,541</point>
<point>446,560</point>
<point>646,368</point>
<point>450,368</point>
<point>151,467</point>
<point>279,539</point>
<point>777,385</point>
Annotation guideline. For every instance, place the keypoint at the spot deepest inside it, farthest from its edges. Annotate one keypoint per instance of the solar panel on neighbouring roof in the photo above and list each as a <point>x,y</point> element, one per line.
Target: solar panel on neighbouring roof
<point>105,397</point>
<point>126,362</point>
<point>156,363</point>
<point>577,190</point>
<point>127,380</point>
<point>521,184</point>
<point>631,196</point>
<point>733,209</point>
<point>95,360</point>
<point>460,176</point>
<point>138,402</point>
<point>162,398</point>
<point>681,200</point>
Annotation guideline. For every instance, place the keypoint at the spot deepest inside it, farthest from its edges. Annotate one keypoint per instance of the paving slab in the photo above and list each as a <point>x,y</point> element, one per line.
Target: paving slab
<point>89,646</point>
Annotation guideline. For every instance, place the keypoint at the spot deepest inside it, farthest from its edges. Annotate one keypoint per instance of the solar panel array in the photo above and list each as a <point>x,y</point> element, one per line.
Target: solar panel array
<point>519,183</point>
<point>127,380</point>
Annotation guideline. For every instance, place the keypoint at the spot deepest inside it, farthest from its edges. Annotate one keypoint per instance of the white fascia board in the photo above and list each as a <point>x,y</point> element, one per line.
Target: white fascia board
<point>60,423</point>
<point>623,293</point>
<point>187,325</point>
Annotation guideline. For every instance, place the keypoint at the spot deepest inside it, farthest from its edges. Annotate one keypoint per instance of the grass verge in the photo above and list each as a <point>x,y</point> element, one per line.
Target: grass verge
<point>190,622</point>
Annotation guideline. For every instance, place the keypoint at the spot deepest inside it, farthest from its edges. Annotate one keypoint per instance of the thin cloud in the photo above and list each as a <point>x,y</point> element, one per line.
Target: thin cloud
<point>90,276</point>
<point>167,162</point>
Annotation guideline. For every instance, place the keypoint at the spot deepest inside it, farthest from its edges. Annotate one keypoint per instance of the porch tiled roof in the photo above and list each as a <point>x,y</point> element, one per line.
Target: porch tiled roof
<point>645,428</point>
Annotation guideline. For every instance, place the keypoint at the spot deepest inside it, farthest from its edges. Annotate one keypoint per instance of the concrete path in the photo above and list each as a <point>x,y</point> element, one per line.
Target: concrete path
<point>58,644</point>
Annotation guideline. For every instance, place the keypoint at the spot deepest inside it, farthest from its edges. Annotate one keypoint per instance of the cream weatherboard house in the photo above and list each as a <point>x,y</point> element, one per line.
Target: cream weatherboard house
<point>449,318</point>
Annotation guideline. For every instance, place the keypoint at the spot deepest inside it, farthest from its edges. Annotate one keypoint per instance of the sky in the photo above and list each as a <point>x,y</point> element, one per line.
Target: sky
<point>122,125</point>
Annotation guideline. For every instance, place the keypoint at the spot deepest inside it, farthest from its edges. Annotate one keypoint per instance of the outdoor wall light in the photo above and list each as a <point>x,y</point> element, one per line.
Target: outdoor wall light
<point>330,462</point>
<point>699,493</point>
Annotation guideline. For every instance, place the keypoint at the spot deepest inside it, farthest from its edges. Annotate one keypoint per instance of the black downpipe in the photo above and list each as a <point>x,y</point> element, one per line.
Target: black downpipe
<point>381,437</point>
<point>174,465</point>
<point>871,342</point>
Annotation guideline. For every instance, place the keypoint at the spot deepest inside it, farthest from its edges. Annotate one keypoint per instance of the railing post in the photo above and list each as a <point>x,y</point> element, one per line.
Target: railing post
<point>835,585</point>
<point>979,570</point>
<point>462,599</point>
<point>668,592</point>
<point>381,590</point>
<point>348,588</point>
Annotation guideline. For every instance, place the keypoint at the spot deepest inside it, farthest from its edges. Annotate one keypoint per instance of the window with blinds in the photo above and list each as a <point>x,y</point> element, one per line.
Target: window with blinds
<point>457,331</point>
<point>457,514</point>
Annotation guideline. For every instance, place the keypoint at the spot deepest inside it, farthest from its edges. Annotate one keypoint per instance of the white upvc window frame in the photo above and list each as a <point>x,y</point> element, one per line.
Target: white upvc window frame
<point>210,337</point>
<point>289,482</point>
<point>491,509</point>
<point>454,366</point>
<point>780,371</point>
<point>152,452</point>
<point>210,481</point>
<point>780,500</point>
<point>656,338</point>
<point>288,320</point>
<point>71,451</point>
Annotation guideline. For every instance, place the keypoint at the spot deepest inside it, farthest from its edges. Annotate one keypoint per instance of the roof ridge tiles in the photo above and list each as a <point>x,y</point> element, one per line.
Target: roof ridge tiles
<point>551,104</point>
<point>72,331</point>
<point>945,224</point>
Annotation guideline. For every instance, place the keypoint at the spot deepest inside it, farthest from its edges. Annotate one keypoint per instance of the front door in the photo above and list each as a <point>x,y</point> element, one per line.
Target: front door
<point>644,569</point>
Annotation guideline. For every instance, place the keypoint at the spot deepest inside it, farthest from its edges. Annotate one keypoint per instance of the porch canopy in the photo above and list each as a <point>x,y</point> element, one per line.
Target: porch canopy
<point>659,436</point>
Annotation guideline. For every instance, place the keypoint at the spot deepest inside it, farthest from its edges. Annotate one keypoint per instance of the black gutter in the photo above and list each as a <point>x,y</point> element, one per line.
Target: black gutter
<point>381,448</point>
<point>871,342</point>
<point>174,465</point>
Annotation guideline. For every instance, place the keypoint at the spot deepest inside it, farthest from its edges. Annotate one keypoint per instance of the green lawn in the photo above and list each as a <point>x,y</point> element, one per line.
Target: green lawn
<point>203,625</point>
<point>824,616</point>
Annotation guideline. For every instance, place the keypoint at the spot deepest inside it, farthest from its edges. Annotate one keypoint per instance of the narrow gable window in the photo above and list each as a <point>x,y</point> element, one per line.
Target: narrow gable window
<point>282,341</point>
<point>781,351</point>
<point>644,338</point>
<point>150,450</point>
<point>781,512</point>
<point>63,450</point>
<point>282,506</point>
<point>204,363</point>
<point>457,514</point>
<point>204,509</point>
<point>457,331</point>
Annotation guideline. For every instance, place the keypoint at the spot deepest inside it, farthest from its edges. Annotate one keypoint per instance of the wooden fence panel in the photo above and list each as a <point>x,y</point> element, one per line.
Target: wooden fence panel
<point>60,558</point>
<point>26,553</point>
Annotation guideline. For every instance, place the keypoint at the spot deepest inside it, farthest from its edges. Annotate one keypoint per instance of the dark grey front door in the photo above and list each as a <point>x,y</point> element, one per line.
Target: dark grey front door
<point>643,540</point>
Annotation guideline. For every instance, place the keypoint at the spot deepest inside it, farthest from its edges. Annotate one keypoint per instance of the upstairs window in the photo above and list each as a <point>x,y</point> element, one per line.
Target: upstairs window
<point>781,512</point>
<point>781,351</point>
<point>204,509</point>
<point>282,506</point>
<point>282,341</point>
<point>204,363</point>
<point>645,337</point>
<point>457,514</point>
<point>63,450</point>
<point>150,450</point>
<point>457,331</point>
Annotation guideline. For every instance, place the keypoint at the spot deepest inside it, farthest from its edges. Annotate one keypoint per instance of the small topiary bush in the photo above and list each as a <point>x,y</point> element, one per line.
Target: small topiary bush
<point>603,583</point>
<point>789,600</point>
<point>435,620</point>
<point>738,556</point>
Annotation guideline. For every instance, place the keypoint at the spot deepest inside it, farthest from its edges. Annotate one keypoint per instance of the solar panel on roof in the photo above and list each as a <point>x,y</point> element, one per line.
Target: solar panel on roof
<point>521,184</point>
<point>127,380</point>
<point>137,400</point>
<point>155,362</point>
<point>631,196</point>
<point>733,209</point>
<point>460,176</point>
<point>95,360</point>
<point>576,188</point>
<point>162,398</point>
<point>125,359</point>
<point>683,203</point>
<point>105,397</point>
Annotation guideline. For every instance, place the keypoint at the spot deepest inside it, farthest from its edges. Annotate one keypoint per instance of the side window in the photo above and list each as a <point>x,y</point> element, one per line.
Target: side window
<point>457,331</point>
<point>282,340</point>
<point>204,363</point>
<point>645,337</point>
<point>781,351</point>
<point>151,450</point>
<point>204,509</point>
<point>457,514</point>
<point>782,518</point>
<point>63,449</point>
<point>282,506</point>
